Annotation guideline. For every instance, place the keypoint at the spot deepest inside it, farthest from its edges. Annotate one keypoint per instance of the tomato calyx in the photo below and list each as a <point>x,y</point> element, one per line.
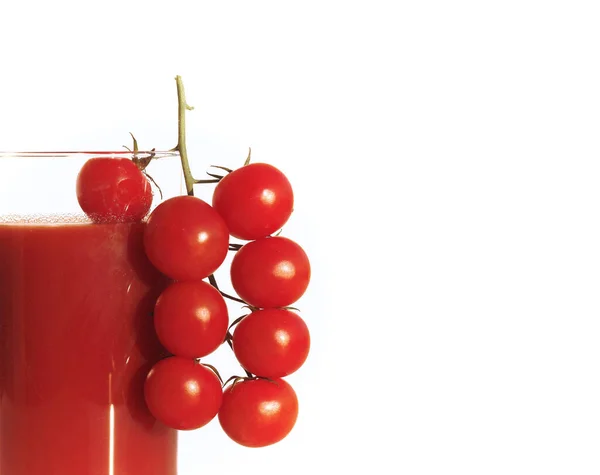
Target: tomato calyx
<point>294,309</point>
<point>219,177</point>
<point>237,379</point>
<point>143,162</point>
<point>247,162</point>
<point>140,162</point>
<point>250,377</point>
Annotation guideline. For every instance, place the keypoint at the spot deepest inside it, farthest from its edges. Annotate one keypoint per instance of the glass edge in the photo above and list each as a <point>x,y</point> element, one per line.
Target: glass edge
<point>84,153</point>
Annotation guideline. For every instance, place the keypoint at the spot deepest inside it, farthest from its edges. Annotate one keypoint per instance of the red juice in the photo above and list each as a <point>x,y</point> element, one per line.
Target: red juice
<point>76,342</point>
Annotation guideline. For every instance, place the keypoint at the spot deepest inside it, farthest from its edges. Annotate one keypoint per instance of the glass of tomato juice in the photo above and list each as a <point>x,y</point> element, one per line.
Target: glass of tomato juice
<point>76,328</point>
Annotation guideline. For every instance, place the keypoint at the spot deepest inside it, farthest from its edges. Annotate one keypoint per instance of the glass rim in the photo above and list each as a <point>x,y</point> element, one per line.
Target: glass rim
<point>87,153</point>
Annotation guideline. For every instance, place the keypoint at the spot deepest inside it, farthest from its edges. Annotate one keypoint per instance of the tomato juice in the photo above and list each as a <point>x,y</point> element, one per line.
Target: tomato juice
<point>76,342</point>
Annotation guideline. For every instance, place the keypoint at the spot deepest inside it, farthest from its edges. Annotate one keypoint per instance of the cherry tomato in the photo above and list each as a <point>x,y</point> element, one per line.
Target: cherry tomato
<point>271,343</point>
<point>191,319</point>
<point>113,190</point>
<point>185,238</point>
<point>270,272</point>
<point>182,393</point>
<point>255,200</point>
<point>258,412</point>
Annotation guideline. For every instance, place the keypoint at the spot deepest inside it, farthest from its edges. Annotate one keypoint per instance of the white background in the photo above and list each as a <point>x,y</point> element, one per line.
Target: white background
<point>446,163</point>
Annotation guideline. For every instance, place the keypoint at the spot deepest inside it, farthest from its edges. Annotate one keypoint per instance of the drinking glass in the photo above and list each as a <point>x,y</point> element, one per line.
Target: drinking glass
<point>76,330</point>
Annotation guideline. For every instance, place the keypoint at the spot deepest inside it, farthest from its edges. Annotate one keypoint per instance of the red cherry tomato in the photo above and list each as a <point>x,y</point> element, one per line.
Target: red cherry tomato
<point>185,238</point>
<point>191,319</point>
<point>113,190</point>
<point>258,412</point>
<point>255,200</point>
<point>271,343</point>
<point>270,272</point>
<point>182,393</point>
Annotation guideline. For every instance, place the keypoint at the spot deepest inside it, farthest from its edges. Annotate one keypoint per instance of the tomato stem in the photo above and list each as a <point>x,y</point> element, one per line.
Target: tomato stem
<point>207,181</point>
<point>229,339</point>
<point>214,370</point>
<point>213,282</point>
<point>182,107</point>
<point>231,297</point>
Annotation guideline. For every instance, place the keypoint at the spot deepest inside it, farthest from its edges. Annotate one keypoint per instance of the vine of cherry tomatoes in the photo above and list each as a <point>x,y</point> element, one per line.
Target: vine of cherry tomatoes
<point>188,239</point>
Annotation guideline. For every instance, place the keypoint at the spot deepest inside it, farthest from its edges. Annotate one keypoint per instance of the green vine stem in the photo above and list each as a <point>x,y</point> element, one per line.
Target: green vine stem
<point>182,107</point>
